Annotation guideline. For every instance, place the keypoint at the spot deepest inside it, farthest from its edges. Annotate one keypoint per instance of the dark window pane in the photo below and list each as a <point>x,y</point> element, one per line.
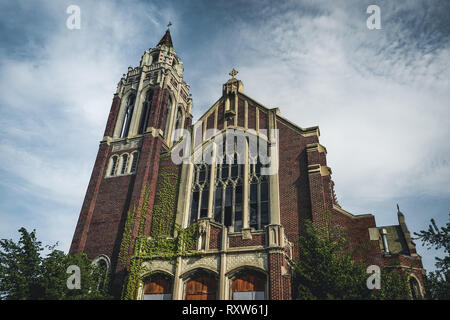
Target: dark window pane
<point>253,193</point>
<point>113,167</point>
<point>238,219</point>
<point>264,190</point>
<point>218,205</point>
<point>264,214</point>
<point>258,168</point>
<point>217,171</point>
<point>228,205</point>
<point>145,112</point>
<point>218,202</point>
<point>228,196</point>
<point>124,164</point>
<point>238,199</point>
<point>254,215</point>
<point>228,212</point>
<point>134,163</point>
<point>204,206</point>
<point>201,175</point>
<point>194,207</point>
<point>234,171</point>
<point>234,167</point>
<point>224,171</point>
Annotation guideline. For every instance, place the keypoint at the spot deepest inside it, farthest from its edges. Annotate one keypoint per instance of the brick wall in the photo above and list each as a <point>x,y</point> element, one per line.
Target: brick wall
<point>237,241</point>
<point>215,237</point>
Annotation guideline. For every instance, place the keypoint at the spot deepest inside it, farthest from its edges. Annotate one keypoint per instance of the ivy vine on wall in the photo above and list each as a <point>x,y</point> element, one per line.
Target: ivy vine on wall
<point>167,241</point>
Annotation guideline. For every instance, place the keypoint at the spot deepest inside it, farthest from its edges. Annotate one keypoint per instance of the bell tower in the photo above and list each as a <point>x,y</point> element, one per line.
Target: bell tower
<point>151,101</point>
<point>141,91</point>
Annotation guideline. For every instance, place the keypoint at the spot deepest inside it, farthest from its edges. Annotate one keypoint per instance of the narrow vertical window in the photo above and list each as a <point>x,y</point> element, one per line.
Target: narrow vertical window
<point>264,202</point>
<point>259,197</point>
<point>124,164</point>
<point>204,205</point>
<point>194,206</point>
<point>134,162</point>
<point>166,125</point>
<point>178,123</point>
<point>228,210</point>
<point>113,165</point>
<point>127,116</point>
<point>218,205</point>
<point>200,195</point>
<point>254,205</point>
<point>238,208</point>
<point>146,107</point>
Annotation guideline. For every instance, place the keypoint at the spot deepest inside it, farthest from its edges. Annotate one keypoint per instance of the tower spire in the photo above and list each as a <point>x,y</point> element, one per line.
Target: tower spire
<point>166,39</point>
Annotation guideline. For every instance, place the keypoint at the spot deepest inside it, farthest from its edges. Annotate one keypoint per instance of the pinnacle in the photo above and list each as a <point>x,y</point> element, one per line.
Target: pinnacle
<point>166,40</point>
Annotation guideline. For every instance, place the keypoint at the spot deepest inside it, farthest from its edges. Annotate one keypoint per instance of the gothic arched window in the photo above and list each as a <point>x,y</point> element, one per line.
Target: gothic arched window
<point>228,190</point>
<point>146,107</point>
<point>134,161</point>
<point>179,119</point>
<point>127,116</point>
<point>113,165</point>
<point>178,122</point>
<point>166,125</point>
<point>123,169</point>
<point>259,196</point>
<point>101,270</point>
<point>228,201</point>
<point>414,286</point>
<point>200,192</point>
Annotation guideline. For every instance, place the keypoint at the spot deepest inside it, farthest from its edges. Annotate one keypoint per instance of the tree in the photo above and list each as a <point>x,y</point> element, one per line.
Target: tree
<point>20,267</point>
<point>328,269</point>
<point>26,275</point>
<point>325,269</point>
<point>437,283</point>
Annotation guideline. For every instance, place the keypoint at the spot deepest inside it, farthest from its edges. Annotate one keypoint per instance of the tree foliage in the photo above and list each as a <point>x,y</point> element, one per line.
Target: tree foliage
<point>437,283</point>
<point>327,269</point>
<point>27,275</point>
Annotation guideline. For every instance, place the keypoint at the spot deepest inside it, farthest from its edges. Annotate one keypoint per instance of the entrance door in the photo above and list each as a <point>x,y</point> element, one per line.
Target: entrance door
<point>202,287</point>
<point>158,288</point>
<point>248,286</point>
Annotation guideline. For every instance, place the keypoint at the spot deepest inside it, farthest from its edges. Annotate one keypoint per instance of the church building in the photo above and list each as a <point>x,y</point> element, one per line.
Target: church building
<point>214,209</point>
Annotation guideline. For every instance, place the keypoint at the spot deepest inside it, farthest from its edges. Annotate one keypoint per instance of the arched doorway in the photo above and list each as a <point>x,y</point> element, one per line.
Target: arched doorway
<point>249,285</point>
<point>201,285</point>
<point>415,288</point>
<point>158,287</point>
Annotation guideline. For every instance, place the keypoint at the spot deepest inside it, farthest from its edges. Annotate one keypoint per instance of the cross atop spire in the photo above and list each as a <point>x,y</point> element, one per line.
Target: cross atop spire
<point>233,73</point>
<point>170,23</point>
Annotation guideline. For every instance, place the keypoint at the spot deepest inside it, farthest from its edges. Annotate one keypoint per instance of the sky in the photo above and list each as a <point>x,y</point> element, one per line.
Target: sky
<point>381,97</point>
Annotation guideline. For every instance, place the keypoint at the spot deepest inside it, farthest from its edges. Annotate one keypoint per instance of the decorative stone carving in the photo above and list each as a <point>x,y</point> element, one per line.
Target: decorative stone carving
<point>125,145</point>
<point>247,234</point>
<point>256,259</point>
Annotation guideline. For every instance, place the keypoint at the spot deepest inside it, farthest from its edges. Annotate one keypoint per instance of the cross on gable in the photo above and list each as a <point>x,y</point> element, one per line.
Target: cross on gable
<point>233,73</point>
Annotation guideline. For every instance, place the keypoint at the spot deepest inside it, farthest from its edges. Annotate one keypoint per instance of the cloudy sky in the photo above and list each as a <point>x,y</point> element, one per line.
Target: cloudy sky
<point>380,97</point>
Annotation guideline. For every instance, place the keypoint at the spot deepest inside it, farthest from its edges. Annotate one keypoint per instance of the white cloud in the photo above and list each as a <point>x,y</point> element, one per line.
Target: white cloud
<point>382,108</point>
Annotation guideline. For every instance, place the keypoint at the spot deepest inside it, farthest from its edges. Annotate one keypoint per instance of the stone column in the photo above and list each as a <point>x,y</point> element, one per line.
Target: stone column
<point>274,197</point>
<point>223,265</point>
